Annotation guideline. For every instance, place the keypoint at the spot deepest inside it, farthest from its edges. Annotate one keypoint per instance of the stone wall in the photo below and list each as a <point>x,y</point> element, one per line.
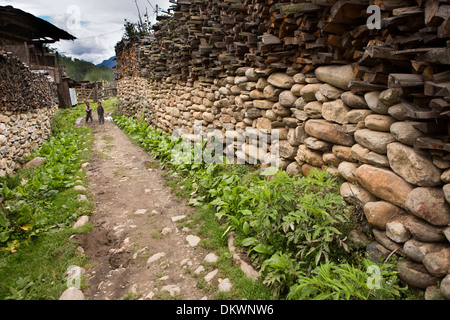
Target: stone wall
<point>25,114</point>
<point>404,191</point>
<point>389,142</point>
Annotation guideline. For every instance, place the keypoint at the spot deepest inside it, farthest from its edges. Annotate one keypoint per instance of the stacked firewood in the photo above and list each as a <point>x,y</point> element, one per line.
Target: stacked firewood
<point>409,52</point>
<point>208,38</point>
<point>22,89</point>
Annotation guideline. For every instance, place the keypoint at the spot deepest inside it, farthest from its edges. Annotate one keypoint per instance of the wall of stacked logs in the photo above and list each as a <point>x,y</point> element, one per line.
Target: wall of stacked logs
<point>369,104</point>
<point>27,100</point>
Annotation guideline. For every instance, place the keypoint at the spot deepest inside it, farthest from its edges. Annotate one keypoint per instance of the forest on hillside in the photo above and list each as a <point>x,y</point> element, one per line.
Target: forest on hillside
<point>80,70</point>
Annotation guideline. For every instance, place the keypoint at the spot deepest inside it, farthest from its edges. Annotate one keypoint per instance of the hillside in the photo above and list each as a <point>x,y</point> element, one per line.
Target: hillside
<point>80,70</point>
<point>110,63</point>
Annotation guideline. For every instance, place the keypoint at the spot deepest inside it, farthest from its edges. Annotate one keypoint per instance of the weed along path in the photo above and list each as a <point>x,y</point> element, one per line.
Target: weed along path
<point>138,247</point>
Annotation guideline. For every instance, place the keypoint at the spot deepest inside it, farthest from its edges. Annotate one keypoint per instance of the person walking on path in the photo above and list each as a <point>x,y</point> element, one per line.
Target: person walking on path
<point>88,112</point>
<point>101,113</point>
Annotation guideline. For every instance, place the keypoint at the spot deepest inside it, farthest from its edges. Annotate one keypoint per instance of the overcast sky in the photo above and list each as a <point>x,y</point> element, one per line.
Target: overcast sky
<point>98,24</point>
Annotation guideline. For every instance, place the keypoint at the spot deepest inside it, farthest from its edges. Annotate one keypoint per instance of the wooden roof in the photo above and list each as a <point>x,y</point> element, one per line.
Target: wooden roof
<point>18,25</point>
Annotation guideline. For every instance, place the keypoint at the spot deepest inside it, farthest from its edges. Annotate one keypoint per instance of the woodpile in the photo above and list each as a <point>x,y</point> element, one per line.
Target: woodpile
<point>22,89</point>
<point>205,40</point>
<point>209,38</point>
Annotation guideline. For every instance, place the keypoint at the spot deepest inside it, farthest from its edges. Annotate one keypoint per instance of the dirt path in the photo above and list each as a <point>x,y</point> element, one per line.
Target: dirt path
<point>136,248</point>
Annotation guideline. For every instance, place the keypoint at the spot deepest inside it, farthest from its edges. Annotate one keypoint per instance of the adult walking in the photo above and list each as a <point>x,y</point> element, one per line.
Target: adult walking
<point>101,113</point>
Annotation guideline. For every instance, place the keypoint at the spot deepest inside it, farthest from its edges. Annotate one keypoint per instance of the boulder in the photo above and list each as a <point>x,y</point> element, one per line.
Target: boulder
<point>311,157</point>
<point>81,222</point>
<point>417,250</point>
<point>359,152</point>
<point>286,150</point>
<point>415,274</point>
<point>378,213</point>
<point>72,294</point>
<point>357,115</point>
<point>445,176</point>
<point>307,168</point>
<point>335,111</point>
<point>343,153</point>
<point>379,122</point>
<point>355,194</point>
<point>376,159</point>
<point>381,237</point>
<point>299,78</point>
<point>384,183</point>
<point>313,109</point>
<point>446,190</point>
<point>253,151</point>
<point>354,101</point>
<point>374,102</point>
<point>391,96</point>
<point>330,132</point>
<point>281,111</point>
<point>263,104</point>
<point>281,80</point>
<point>287,98</point>
<point>294,169</point>
<point>400,111</point>
<point>297,88</point>
<point>445,287</point>
<point>414,166</point>
<point>316,144</point>
<point>272,93</point>
<point>347,170</point>
<point>429,204</point>
<point>422,230</point>
<point>404,132</point>
<point>438,263</point>
<point>329,91</point>
<point>208,117</point>
<point>396,230</point>
<point>296,136</point>
<point>337,76</point>
<point>36,162</point>
<point>308,92</point>
<point>374,140</point>
<point>331,160</point>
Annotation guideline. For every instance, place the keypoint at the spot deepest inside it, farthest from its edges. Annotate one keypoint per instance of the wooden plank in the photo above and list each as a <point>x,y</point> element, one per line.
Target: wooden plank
<point>399,80</point>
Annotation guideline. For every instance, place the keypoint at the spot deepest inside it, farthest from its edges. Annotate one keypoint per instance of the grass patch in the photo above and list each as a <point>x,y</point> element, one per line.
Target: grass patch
<point>37,212</point>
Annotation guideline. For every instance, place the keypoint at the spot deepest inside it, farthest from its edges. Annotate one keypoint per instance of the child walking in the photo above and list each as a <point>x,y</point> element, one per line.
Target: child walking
<point>101,113</point>
<point>88,112</point>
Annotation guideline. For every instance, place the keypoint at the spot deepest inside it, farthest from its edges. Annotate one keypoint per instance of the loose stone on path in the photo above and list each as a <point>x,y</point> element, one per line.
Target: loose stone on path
<point>211,258</point>
<point>172,289</point>
<point>193,240</point>
<point>81,222</point>
<point>155,257</point>
<point>178,218</point>
<point>208,278</point>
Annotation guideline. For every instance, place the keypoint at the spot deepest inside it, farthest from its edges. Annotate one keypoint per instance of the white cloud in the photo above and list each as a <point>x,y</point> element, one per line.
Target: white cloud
<point>97,24</point>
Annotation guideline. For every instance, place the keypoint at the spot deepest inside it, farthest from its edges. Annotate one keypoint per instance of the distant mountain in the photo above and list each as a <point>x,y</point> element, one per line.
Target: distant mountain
<point>110,63</point>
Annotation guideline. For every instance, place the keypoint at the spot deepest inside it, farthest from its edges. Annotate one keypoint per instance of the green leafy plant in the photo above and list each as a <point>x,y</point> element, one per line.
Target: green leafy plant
<point>343,281</point>
<point>294,228</point>
<point>24,209</point>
